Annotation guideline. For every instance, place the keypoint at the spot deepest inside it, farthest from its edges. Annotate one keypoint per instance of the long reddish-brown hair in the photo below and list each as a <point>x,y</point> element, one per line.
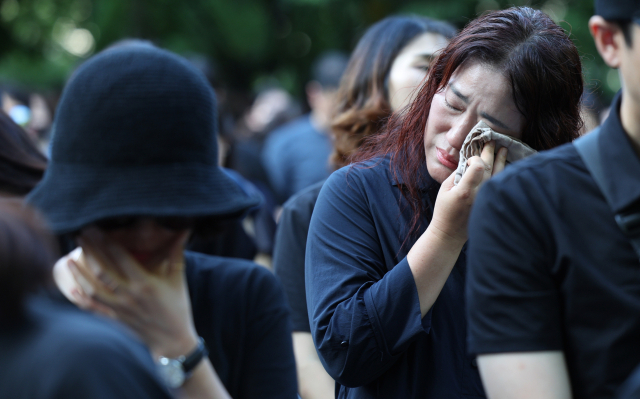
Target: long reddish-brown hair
<point>363,98</point>
<point>536,57</point>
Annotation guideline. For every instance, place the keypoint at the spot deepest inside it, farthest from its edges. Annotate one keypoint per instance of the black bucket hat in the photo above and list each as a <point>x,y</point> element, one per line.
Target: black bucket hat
<point>135,134</point>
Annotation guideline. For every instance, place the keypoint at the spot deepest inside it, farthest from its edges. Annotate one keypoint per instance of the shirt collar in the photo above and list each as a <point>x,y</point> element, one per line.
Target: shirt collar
<point>620,163</point>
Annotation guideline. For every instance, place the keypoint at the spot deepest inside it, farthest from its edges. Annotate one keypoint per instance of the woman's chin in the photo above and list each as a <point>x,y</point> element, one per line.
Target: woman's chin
<point>438,171</point>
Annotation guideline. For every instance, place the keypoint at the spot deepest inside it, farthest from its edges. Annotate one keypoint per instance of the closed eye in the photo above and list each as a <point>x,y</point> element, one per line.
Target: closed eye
<point>451,106</point>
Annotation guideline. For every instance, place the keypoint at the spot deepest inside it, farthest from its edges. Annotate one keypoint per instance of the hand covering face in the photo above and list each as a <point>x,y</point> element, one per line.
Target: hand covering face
<point>481,134</point>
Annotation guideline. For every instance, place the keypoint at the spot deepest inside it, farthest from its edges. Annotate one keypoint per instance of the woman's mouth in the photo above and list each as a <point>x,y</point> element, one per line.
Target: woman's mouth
<point>446,159</point>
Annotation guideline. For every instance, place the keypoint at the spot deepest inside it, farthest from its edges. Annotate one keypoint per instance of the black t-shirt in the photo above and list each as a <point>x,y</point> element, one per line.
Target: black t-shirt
<point>549,269</point>
<point>240,311</point>
<point>289,252</point>
<point>63,352</point>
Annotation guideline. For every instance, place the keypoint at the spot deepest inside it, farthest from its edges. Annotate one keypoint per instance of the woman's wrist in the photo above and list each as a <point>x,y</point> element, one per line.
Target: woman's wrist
<point>180,346</point>
<point>445,239</point>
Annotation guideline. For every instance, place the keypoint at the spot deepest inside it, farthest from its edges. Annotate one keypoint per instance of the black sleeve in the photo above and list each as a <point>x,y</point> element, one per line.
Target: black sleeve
<point>513,303</point>
<point>270,369</point>
<point>289,253</point>
<point>110,369</point>
<point>631,387</point>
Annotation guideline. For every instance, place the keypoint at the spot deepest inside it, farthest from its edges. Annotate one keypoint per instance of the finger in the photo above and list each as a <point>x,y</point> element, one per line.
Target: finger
<point>176,254</point>
<point>90,284</point>
<point>85,302</point>
<point>448,183</point>
<point>500,162</point>
<point>107,275</point>
<point>488,152</point>
<point>474,175</point>
<point>93,242</point>
<point>129,266</point>
<point>81,282</point>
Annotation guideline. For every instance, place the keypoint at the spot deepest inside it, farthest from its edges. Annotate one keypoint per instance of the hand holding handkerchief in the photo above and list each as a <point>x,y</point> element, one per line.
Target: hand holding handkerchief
<point>481,134</point>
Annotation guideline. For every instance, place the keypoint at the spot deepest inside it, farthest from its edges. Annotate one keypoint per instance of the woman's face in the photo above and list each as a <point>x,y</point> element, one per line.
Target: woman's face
<point>147,242</point>
<point>410,67</point>
<point>475,92</point>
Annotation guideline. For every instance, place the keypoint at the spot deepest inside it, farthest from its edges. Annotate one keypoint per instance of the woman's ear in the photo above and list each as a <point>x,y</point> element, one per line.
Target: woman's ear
<point>609,39</point>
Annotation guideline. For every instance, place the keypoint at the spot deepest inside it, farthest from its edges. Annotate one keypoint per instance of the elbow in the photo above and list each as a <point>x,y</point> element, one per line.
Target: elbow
<point>349,368</point>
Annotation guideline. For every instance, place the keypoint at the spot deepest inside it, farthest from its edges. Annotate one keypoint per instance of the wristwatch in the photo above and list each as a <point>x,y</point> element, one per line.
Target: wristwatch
<point>175,372</point>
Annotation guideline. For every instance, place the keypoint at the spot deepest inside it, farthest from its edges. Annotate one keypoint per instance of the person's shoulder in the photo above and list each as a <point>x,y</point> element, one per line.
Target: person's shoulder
<point>290,129</point>
<point>303,199</point>
<point>542,168</point>
<point>372,169</point>
<point>227,273</point>
<point>85,333</point>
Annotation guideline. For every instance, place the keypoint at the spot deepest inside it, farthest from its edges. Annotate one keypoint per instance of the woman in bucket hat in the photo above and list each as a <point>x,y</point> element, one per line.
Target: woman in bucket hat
<point>133,172</point>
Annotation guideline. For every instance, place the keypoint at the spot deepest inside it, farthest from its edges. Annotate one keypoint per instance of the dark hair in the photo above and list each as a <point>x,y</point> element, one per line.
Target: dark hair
<point>21,163</point>
<point>27,253</point>
<point>363,98</point>
<point>536,57</point>
<point>626,26</point>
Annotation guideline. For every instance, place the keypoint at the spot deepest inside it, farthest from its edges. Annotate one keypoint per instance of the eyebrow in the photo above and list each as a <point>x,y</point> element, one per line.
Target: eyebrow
<point>482,114</point>
<point>457,93</point>
<point>494,121</point>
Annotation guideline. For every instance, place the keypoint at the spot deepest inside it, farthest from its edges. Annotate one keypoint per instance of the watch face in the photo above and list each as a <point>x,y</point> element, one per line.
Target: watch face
<point>171,372</point>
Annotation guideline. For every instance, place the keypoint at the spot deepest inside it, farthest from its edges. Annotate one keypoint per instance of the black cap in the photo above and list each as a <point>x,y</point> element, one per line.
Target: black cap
<point>618,9</point>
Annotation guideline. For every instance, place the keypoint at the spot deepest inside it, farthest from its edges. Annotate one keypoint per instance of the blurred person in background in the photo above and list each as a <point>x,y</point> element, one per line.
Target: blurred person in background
<point>272,108</point>
<point>554,272</point>
<point>48,348</point>
<point>30,110</point>
<point>590,109</point>
<point>22,165</point>
<point>383,73</point>
<point>217,327</point>
<point>386,250</point>
<point>295,155</point>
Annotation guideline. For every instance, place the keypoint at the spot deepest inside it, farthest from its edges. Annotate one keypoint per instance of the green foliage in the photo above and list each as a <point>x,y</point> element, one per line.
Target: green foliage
<point>250,41</point>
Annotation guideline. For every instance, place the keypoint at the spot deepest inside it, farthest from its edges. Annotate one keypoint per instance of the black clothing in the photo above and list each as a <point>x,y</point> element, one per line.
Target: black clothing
<point>288,254</point>
<point>363,303</point>
<point>240,311</point>
<point>631,387</point>
<point>61,352</point>
<point>232,242</point>
<point>549,268</point>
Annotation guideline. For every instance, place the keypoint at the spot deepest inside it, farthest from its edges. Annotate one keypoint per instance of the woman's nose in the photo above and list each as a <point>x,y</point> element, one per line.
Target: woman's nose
<point>458,132</point>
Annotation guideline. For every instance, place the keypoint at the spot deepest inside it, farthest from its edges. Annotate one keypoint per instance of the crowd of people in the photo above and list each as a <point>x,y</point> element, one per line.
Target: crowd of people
<point>391,243</point>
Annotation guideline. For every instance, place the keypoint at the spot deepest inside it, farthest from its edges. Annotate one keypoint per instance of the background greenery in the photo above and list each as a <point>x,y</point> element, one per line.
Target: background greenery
<point>250,41</point>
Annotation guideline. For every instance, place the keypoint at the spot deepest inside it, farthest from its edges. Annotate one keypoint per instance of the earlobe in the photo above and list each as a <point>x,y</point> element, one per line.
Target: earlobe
<point>605,37</point>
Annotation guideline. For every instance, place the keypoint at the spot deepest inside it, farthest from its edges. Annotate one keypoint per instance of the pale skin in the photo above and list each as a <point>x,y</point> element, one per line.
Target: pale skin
<point>410,67</point>
<point>408,70</point>
<point>543,374</point>
<point>136,275</point>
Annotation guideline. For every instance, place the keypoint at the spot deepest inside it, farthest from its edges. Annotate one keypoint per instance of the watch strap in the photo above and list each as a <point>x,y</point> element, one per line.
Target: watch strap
<point>190,361</point>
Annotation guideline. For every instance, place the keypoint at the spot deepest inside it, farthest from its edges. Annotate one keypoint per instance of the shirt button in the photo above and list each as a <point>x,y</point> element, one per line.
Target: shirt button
<point>474,363</point>
<point>344,344</point>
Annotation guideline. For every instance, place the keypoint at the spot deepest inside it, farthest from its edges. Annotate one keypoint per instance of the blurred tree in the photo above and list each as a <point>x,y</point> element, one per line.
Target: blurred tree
<point>250,41</point>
